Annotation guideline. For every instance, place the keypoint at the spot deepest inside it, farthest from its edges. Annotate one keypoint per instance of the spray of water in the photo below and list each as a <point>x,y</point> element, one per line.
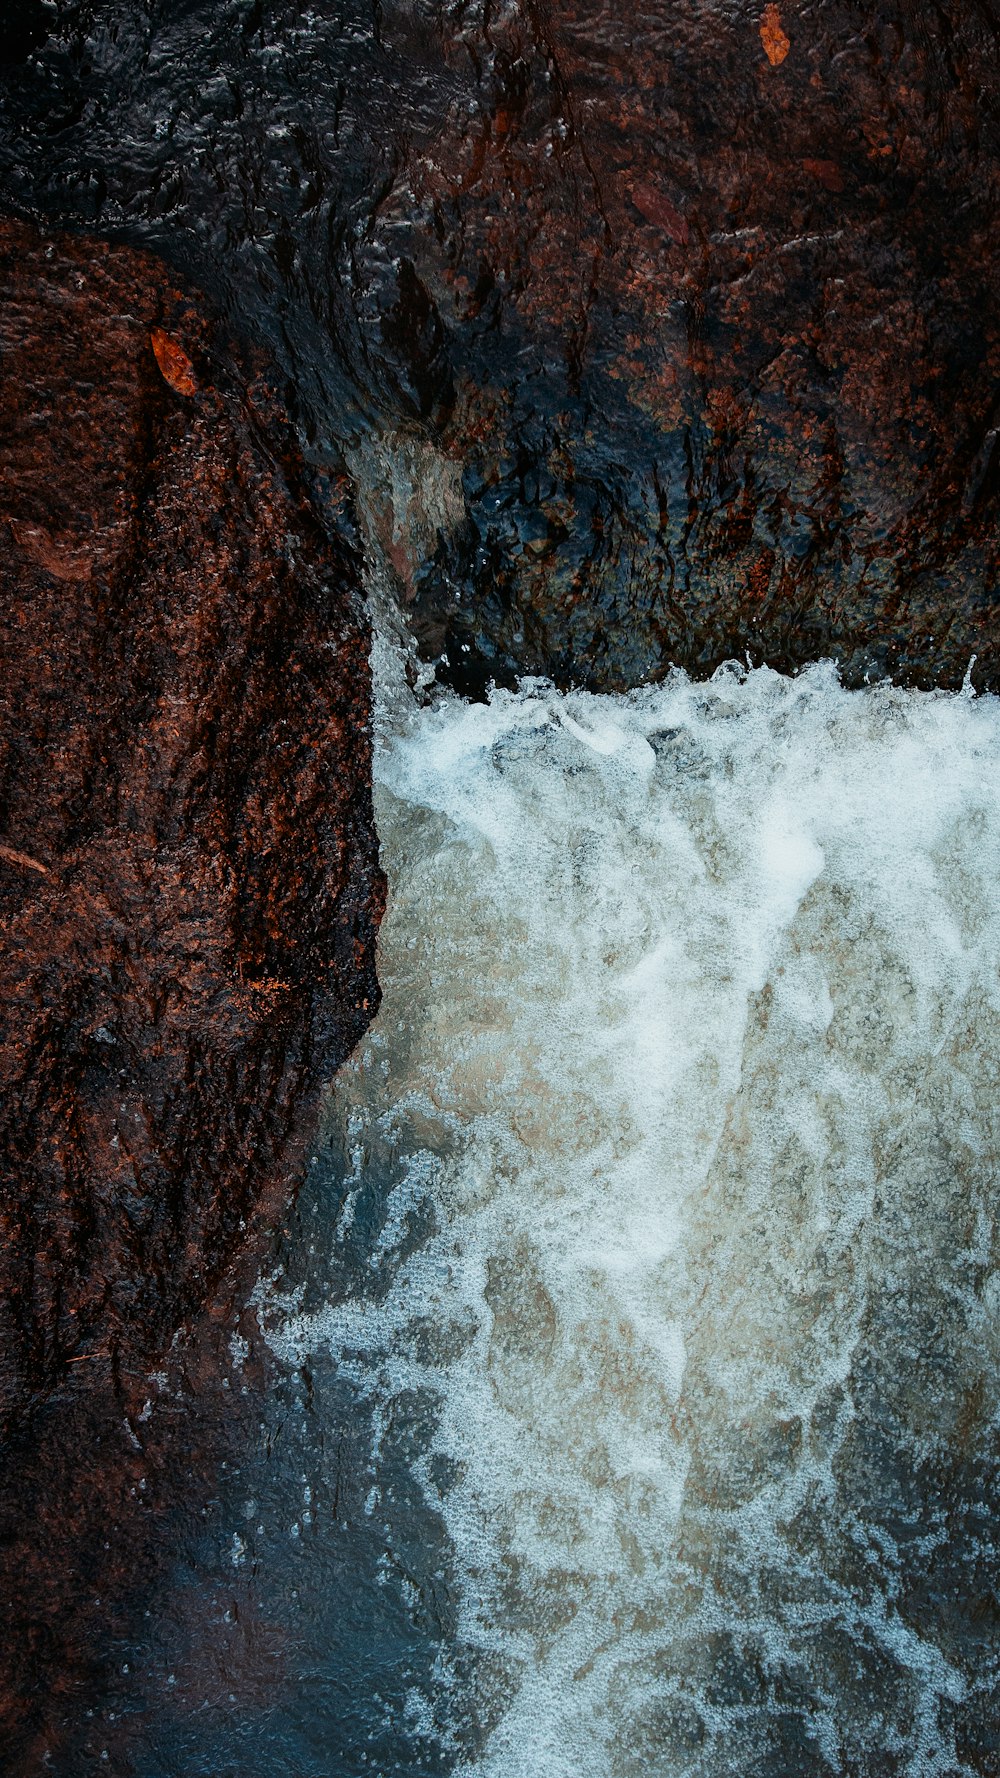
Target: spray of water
<point>687,1062</point>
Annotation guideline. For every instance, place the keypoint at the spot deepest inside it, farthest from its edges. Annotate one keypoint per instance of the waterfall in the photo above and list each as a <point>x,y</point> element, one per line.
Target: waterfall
<point>673,1148</point>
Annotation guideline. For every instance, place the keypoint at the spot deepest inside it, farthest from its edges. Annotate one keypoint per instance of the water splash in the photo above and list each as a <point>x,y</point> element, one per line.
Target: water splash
<point>687,1265</point>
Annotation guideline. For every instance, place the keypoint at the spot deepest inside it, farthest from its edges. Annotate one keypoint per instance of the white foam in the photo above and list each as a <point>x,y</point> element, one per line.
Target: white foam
<point>689,1038</point>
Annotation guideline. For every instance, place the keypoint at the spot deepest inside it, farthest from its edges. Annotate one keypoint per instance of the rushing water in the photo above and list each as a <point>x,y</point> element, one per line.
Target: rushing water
<point>663,1258</point>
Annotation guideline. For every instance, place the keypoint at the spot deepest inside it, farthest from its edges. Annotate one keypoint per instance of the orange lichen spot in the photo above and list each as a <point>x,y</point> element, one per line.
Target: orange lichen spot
<point>175,365</point>
<point>776,43</point>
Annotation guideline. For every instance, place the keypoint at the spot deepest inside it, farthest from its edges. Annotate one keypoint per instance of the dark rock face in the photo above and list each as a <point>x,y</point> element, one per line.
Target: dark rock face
<point>658,336</point>
<point>770,252</point>
<point>189,883</point>
<point>101,1504</point>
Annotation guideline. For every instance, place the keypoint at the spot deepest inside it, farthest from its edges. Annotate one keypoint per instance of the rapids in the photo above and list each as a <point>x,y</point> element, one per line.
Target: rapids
<point>664,1257</point>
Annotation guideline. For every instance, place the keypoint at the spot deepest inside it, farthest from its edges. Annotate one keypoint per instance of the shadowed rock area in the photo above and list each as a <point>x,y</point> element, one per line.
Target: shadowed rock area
<point>651,337</point>
<point>189,882</point>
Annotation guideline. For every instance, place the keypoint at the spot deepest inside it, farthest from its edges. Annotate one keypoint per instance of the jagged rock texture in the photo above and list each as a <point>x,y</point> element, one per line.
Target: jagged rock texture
<point>652,335</point>
<point>189,883</point>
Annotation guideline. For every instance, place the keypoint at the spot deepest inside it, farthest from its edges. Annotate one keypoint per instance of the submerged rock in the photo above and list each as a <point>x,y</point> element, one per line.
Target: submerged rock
<point>189,881</point>
<point>652,338</point>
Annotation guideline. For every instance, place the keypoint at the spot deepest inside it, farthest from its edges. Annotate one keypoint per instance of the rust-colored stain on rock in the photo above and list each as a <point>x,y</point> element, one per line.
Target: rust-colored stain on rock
<point>658,209</point>
<point>775,41</point>
<point>826,172</point>
<point>174,362</point>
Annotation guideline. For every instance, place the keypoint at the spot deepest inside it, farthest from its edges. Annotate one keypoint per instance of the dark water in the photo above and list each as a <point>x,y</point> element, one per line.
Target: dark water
<point>272,1622</point>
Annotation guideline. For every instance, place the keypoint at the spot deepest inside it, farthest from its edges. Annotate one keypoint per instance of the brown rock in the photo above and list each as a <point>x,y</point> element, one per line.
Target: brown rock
<point>698,306</point>
<point>189,885</point>
<point>716,343</point>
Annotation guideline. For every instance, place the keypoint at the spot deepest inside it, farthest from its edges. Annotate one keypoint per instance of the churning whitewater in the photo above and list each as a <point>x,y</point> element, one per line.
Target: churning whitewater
<point>684,1276</point>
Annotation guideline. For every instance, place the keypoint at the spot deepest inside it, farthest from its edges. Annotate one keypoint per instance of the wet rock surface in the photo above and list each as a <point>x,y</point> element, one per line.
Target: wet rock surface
<point>179,1602</point>
<point>650,338</point>
<point>189,882</point>
<point>105,1501</point>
